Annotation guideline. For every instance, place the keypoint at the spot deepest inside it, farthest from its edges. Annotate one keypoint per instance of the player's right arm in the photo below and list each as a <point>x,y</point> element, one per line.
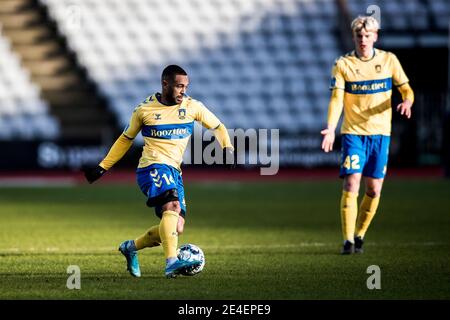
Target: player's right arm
<point>334,107</point>
<point>118,149</point>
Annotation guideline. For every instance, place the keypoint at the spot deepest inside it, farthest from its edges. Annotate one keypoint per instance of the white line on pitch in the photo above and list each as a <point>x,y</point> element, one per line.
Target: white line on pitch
<point>220,247</point>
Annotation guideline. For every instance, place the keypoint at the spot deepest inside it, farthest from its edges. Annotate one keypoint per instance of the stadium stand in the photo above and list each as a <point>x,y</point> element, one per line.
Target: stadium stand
<point>23,114</point>
<point>256,64</point>
<point>57,78</point>
<point>408,24</point>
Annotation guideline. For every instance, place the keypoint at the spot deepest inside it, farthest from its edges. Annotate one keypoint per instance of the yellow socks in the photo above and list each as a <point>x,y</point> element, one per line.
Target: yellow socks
<point>367,211</point>
<point>150,238</point>
<point>165,234</point>
<point>349,211</point>
<point>168,233</point>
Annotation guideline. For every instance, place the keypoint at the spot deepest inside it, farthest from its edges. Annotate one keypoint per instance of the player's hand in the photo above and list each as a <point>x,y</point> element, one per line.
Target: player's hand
<point>228,158</point>
<point>405,108</point>
<point>93,173</point>
<point>328,139</point>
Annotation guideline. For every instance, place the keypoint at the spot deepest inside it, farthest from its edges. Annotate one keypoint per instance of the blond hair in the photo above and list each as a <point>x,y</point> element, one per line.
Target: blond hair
<point>365,22</point>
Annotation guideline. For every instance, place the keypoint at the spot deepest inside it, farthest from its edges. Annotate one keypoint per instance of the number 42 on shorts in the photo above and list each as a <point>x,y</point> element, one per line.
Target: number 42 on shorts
<point>351,162</point>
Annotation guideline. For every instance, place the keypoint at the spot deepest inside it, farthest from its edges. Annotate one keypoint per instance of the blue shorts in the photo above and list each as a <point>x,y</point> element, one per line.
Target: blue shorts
<point>155,180</point>
<point>364,154</point>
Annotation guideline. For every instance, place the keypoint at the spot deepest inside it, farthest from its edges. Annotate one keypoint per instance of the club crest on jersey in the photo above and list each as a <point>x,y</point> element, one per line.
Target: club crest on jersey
<point>157,116</point>
<point>181,114</point>
<point>378,68</point>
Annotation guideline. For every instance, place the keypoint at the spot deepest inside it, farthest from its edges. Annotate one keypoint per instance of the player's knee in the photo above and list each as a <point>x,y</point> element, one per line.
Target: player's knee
<point>373,187</point>
<point>172,206</point>
<point>373,191</point>
<point>351,185</point>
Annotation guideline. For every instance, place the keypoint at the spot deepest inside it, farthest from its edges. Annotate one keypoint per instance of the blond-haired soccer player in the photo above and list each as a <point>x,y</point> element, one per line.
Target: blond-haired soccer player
<point>361,85</point>
<point>166,121</point>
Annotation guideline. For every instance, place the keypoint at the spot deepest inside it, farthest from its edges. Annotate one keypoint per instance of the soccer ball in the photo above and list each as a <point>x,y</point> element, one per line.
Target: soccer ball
<point>191,252</point>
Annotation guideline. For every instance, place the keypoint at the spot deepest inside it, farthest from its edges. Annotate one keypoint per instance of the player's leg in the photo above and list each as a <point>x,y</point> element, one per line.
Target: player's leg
<point>178,206</point>
<point>169,239</point>
<point>130,247</point>
<point>367,210</point>
<point>172,222</point>
<point>149,239</point>
<point>352,163</point>
<point>168,229</point>
<point>154,183</point>
<point>349,210</point>
<point>374,174</point>
<point>170,216</point>
<point>152,238</point>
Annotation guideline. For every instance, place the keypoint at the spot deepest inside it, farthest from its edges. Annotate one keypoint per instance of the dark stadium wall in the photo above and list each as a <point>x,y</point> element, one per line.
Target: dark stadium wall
<point>420,141</point>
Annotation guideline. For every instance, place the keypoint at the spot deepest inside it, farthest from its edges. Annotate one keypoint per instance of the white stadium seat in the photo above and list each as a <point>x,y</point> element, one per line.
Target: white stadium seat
<point>229,48</point>
<point>22,111</point>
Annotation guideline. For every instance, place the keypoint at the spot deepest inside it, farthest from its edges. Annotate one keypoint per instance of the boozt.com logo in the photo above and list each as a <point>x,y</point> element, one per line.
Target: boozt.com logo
<point>168,131</point>
<point>368,87</point>
<point>371,87</point>
<point>154,133</point>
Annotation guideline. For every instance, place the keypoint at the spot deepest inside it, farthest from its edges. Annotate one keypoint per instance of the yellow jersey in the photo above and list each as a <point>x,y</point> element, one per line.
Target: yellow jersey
<point>368,89</point>
<point>166,129</point>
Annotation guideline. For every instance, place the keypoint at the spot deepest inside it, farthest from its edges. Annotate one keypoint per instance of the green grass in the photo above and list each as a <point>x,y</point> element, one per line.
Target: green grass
<point>261,241</point>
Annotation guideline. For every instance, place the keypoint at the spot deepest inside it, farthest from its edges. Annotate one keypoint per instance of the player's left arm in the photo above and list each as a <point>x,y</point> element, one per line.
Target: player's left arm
<point>210,121</point>
<point>408,99</point>
<point>401,81</point>
<point>221,134</point>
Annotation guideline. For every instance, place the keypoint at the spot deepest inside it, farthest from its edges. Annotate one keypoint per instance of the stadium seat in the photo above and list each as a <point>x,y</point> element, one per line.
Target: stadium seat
<point>398,15</point>
<point>22,111</point>
<point>243,48</point>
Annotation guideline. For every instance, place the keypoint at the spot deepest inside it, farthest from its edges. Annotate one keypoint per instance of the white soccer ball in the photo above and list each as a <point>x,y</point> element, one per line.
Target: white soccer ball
<point>191,252</point>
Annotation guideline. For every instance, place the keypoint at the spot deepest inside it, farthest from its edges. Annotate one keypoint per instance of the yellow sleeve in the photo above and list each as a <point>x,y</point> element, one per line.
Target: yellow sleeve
<point>406,92</point>
<point>124,142</point>
<point>337,76</point>
<point>399,77</point>
<point>134,126</point>
<point>222,136</point>
<point>206,117</point>
<point>335,107</point>
<point>117,151</point>
<point>210,121</point>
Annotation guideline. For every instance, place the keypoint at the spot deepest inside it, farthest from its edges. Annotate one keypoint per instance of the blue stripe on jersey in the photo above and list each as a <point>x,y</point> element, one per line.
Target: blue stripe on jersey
<point>368,87</point>
<point>168,131</point>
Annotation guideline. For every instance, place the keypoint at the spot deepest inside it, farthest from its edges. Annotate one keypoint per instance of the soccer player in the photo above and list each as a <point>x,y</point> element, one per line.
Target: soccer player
<point>166,121</point>
<point>361,85</point>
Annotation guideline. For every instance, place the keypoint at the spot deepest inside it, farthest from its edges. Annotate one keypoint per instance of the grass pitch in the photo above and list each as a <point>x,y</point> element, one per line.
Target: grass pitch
<point>261,241</point>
